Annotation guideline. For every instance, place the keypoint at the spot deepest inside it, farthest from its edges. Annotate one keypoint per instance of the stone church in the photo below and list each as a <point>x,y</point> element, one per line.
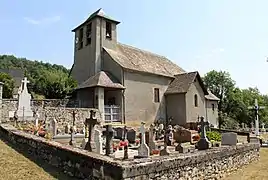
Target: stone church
<point>131,85</point>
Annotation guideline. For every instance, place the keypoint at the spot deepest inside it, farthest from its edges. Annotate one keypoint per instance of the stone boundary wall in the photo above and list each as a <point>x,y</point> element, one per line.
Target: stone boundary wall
<point>214,163</point>
<point>51,108</point>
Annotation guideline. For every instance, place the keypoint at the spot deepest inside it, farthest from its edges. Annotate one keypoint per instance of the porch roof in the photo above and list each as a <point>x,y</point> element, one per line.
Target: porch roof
<point>101,79</point>
<point>211,96</point>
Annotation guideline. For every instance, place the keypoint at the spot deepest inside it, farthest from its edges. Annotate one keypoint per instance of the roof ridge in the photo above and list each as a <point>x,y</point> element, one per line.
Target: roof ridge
<point>147,51</point>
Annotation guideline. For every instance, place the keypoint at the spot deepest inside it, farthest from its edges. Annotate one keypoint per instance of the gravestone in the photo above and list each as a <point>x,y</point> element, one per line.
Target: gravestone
<point>67,128</point>
<point>169,137</point>
<point>72,140</point>
<point>98,141</point>
<point>119,132</point>
<point>131,136</point>
<point>229,139</point>
<point>108,133</point>
<point>91,122</point>
<point>256,109</point>
<point>203,143</point>
<point>263,127</point>
<point>143,150</point>
<point>24,104</point>
<point>54,127</point>
<point>37,119</point>
<point>151,138</point>
<point>126,146</point>
<point>1,97</point>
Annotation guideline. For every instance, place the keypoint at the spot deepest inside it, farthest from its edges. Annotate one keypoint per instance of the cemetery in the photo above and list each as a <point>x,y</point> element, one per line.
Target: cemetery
<point>82,145</point>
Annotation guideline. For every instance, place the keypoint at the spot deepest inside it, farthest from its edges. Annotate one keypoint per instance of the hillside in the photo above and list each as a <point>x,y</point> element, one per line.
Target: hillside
<point>47,80</point>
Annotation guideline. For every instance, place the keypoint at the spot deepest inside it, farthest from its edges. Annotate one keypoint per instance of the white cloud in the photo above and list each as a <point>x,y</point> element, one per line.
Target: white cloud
<point>47,20</point>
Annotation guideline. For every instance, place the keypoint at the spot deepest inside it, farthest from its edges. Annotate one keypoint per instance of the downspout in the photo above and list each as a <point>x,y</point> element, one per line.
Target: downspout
<point>166,108</point>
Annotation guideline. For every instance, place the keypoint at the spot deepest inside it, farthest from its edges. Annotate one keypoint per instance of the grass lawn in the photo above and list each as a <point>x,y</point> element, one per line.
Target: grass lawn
<point>14,166</point>
<point>253,171</point>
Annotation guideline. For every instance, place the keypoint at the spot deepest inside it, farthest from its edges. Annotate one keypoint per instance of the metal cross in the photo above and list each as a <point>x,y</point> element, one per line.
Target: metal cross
<point>256,108</point>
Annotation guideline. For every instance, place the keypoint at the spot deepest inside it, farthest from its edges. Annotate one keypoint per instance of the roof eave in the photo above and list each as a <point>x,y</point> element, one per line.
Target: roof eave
<point>86,21</point>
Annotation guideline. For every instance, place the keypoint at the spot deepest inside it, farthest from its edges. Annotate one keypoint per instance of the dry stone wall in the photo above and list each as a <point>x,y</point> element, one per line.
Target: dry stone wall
<point>61,110</point>
<point>214,163</point>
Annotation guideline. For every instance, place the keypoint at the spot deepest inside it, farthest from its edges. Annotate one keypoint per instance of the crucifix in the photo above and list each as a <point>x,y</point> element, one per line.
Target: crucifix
<point>25,82</point>
<point>72,141</point>
<point>90,124</point>
<point>256,108</point>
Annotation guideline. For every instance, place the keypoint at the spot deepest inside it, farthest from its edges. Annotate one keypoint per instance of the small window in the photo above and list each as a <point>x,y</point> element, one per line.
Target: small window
<point>108,30</point>
<point>195,100</point>
<point>88,33</point>
<point>213,107</point>
<point>156,95</point>
<point>81,35</point>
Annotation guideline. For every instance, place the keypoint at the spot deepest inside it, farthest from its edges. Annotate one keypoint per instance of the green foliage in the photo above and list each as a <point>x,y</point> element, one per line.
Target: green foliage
<point>214,136</point>
<point>8,85</point>
<point>47,80</point>
<point>234,102</point>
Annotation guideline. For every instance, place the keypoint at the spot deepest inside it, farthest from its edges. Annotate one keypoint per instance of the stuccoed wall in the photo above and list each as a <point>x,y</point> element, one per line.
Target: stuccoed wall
<point>210,164</point>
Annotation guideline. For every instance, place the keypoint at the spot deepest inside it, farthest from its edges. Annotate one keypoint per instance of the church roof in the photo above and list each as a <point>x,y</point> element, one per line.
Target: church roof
<point>211,96</point>
<point>98,13</point>
<point>182,83</point>
<point>101,79</point>
<point>132,58</point>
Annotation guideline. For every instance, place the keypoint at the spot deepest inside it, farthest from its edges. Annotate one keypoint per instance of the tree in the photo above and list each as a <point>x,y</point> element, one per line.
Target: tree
<point>8,85</point>
<point>220,84</point>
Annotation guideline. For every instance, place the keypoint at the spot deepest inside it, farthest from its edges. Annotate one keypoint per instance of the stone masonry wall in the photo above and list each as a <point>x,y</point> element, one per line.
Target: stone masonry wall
<point>52,108</point>
<point>214,163</point>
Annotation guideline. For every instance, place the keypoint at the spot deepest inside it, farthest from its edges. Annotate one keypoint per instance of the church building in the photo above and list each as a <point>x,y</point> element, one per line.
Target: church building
<point>131,85</point>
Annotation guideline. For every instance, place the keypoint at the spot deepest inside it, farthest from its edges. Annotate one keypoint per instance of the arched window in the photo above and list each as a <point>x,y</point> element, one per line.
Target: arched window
<point>195,100</point>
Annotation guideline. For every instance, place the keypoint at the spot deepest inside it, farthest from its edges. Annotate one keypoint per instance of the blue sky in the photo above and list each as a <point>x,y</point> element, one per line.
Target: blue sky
<point>230,35</point>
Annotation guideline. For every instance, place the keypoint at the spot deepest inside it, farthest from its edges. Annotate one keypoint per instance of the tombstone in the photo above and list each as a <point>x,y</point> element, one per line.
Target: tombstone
<point>24,104</point>
<point>203,143</point>
<point>151,139</point>
<point>125,147</point>
<point>90,123</point>
<point>72,140</point>
<point>37,119</point>
<point>160,132</point>
<point>229,139</point>
<point>67,128</point>
<point>263,127</point>
<point>256,109</point>
<point>169,136</point>
<point>143,150</point>
<point>1,97</point>
<point>252,126</point>
<point>131,136</point>
<point>119,133</point>
<point>108,133</point>
<point>98,141</point>
<point>54,127</point>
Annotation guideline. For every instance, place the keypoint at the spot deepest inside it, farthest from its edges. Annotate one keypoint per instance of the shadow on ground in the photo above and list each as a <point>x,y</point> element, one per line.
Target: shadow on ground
<point>53,171</point>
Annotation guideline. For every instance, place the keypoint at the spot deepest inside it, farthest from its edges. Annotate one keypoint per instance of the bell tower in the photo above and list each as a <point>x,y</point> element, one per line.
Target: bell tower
<point>98,31</point>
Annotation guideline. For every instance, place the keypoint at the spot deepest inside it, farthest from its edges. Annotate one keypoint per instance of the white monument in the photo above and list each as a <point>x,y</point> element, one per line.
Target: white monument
<point>24,105</point>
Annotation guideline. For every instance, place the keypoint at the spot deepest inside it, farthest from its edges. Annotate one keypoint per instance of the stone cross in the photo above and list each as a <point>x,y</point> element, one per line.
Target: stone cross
<point>73,129</point>
<point>151,138</point>
<point>25,82</point>
<point>143,150</point>
<point>98,141</point>
<point>203,143</point>
<point>108,133</point>
<point>90,123</point>
<point>256,108</point>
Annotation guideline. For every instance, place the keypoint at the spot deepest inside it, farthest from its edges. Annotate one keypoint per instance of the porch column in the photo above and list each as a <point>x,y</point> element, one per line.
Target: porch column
<point>99,102</point>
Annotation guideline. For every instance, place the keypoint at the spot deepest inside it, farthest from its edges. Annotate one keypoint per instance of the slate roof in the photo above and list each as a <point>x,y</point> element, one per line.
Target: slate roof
<point>101,79</point>
<point>211,96</point>
<point>132,58</point>
<point>182,83</point>
<point>98,13</point>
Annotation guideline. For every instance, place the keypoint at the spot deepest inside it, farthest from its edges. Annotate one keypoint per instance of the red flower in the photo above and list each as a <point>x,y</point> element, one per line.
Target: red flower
<point>123,143</point>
